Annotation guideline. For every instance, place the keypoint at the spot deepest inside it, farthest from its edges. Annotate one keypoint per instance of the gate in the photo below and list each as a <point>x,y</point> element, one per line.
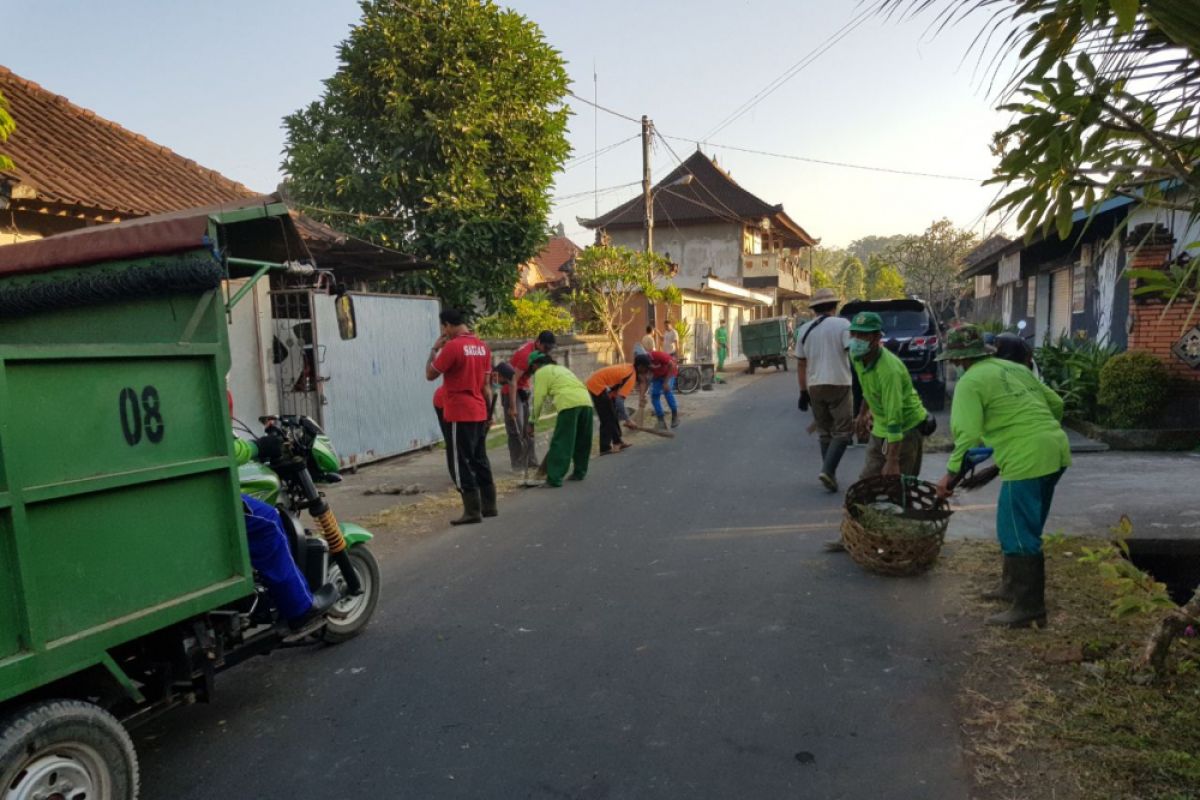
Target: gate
<point>296,353</point>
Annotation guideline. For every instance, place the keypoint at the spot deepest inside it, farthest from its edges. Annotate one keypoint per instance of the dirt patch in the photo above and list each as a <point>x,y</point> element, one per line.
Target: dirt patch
<point>1057,713</point>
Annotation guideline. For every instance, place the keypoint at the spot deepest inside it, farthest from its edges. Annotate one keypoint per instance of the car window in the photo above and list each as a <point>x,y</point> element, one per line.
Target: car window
<point>904,323</point>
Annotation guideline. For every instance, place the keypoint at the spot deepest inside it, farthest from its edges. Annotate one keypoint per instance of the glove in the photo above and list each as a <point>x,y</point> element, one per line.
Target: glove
<point>804,400</point>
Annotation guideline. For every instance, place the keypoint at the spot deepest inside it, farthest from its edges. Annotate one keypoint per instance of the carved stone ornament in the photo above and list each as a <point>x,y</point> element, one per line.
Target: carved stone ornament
<point>1187,349</point>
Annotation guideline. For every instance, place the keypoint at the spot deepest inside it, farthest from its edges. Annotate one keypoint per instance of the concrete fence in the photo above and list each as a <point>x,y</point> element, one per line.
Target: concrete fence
<point>583,354</point>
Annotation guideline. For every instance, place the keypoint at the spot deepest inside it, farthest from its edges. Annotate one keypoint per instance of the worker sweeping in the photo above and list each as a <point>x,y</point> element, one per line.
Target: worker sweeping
<point>572,438</point>
<point>1003,405</point>
<point>663,369</point>
<point>607,386</point>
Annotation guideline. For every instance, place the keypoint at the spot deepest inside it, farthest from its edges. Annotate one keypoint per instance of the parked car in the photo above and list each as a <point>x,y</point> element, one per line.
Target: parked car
<point>911,331</point>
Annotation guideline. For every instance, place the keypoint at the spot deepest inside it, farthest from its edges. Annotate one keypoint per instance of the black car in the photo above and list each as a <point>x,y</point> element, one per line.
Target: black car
<point>912,332</point>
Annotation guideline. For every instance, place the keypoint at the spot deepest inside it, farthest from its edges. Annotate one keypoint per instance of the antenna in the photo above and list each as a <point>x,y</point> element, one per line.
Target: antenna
<point>595,141</point>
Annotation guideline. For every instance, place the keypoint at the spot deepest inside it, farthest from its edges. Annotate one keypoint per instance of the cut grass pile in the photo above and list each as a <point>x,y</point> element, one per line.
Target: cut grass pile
<point>1057,713</point>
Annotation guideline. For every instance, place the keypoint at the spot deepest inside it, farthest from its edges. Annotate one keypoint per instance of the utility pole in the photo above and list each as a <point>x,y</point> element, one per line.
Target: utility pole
<point>647,199</point>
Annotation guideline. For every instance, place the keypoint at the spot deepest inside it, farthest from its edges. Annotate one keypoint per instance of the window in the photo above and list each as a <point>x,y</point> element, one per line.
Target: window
<point>753,242</point>
<point>1079,289</point>
<point>983,286</point>
<point>1031,297</point>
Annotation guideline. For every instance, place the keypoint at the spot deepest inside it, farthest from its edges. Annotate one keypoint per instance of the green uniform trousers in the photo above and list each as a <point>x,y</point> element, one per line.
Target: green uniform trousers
<point>572,441</point>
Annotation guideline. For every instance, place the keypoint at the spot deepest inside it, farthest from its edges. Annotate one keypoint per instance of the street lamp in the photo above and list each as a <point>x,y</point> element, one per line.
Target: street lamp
<point>682,180</point>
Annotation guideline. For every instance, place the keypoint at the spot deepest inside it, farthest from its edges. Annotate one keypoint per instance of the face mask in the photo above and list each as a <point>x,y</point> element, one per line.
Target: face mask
<point>859,348</point>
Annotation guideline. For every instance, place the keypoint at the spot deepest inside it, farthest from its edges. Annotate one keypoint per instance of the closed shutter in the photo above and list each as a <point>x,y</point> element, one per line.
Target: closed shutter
<point>1060,304</point>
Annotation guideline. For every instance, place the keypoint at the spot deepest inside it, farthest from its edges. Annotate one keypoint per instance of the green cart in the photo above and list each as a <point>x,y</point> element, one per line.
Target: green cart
<point>125,579</point>
<point>765,343</point>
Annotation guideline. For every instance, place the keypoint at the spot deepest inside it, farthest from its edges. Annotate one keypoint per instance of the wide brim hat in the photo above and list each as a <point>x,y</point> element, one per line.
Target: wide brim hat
<point>966,342</point>
<point>824,297</point>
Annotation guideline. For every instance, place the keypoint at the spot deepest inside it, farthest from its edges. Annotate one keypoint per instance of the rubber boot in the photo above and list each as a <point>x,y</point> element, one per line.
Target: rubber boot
<point>487,496</point>
<point>472,509</point>
<point>1004,591</point>
<point>1029,593</point>
<point>323,599</point>
<point>674,419</point>
<point>833,457</point>
<point>661,425</point>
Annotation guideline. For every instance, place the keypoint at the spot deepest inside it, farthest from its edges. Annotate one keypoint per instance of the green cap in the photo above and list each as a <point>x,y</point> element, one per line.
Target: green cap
<point>537,356</point>
<point>965,341</point>
<point>866,322</point>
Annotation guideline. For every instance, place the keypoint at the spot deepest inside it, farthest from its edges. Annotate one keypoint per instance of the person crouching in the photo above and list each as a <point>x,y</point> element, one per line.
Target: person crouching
<point>572,438</point>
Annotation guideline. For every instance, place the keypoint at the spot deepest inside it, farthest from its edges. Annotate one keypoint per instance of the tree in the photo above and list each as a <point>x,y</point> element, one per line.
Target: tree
<point>607,279</point>
<point>7,126</point>
<point>530,315</point>
<point>1106,100</point>
<point>826,264</point>
<point>930,264</point>
<point>883,280</point>
<point>869,246</point>
<point>439,134</point>
<point>851,279</point>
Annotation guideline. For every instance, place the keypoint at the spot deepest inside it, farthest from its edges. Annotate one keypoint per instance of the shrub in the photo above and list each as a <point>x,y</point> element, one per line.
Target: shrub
<point>530,316</point>
<point>1133,390</point>
<point>1071,366</point>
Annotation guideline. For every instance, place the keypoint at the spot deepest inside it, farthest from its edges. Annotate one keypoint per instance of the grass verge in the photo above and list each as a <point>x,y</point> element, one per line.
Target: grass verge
<point>1057,713</point>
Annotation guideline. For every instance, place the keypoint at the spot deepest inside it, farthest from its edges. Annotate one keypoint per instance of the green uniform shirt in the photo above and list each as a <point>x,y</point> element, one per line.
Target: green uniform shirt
<point>888,390</point>
<point>1004,406</point>
<point>722,336</point>
<point>562,387</point>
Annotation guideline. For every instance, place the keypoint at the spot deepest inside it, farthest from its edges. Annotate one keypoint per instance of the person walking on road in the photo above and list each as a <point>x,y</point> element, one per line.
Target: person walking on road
<point>522,450</point>
<point>722,338</point>
<point>670,340</point>
<point>663,370</point>
<point>465,366</point>
<point>1004,406</point>
<point>606,386</point>
<point>647,344</point>
<point>572,438</point>
<point>889,397</point>
<point>823,371</point>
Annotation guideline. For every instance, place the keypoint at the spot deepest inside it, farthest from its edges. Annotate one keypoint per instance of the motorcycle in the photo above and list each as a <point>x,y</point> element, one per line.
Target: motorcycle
<point>336,552</point>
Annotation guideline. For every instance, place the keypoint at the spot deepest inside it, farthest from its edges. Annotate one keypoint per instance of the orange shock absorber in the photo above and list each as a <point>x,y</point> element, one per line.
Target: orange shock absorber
<point>331,531</point>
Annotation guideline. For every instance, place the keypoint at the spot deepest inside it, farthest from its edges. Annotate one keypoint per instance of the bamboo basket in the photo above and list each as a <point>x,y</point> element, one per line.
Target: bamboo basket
<point>893,552</point>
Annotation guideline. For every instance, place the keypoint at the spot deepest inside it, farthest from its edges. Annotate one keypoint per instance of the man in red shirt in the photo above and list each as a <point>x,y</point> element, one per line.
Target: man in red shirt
<point>663,370</point>
<point>521,449</point>
<point>465,366</point>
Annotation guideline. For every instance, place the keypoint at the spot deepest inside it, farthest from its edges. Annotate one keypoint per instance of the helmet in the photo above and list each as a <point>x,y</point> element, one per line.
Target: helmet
<point>1012,347</point>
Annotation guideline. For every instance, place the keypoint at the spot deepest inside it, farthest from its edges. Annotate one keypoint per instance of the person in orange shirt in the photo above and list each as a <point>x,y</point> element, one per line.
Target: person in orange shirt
<point>611,385</point>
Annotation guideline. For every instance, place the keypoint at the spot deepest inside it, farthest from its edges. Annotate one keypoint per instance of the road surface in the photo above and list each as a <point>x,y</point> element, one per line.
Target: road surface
<point>667,628</point>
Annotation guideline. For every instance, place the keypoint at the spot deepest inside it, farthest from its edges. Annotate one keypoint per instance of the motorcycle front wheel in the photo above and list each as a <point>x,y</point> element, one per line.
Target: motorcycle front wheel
<point>351,615</point>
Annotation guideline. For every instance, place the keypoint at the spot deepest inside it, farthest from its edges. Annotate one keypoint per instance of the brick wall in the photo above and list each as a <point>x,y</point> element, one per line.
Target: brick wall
<point>1154,332</point>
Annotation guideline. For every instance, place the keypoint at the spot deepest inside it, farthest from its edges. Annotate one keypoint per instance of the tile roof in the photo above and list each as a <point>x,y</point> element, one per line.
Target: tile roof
<point>67,155</point>
<point>712,194</point>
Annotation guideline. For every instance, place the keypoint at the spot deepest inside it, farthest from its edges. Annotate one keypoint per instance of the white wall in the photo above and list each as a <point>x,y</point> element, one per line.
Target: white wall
<point>699,250</point>
<point>250,379</point>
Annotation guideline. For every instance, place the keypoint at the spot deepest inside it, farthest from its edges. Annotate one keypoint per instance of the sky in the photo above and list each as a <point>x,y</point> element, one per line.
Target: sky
<point>212,80</point>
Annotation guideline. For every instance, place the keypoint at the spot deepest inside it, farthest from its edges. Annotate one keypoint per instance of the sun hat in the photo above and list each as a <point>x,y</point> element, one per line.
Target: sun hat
<point>965,341</point>
<point>824,297</point>
<point>866,322</point>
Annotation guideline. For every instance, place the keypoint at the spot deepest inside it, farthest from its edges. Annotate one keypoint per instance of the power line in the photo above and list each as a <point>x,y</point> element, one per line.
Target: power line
<point>579,161</point>
<point>827,163</point>
<point>792,71</point>
<point>696,180</point>
<point>605,190</point>
<point>596,105</point>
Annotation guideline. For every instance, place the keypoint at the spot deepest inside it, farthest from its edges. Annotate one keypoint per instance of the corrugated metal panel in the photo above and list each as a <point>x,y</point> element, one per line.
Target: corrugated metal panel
<point>377,401</point>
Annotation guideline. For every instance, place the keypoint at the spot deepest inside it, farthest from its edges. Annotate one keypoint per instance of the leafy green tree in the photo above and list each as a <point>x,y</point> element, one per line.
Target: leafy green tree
<point>7,126</point>
<point>883,280</point>
<point>530,315</point>
<point>1105,97</point>
<point>931,262</point>
<point>851,279</point>
<point>606,280</point>
<point>868,246</point>
<point>439,134</point>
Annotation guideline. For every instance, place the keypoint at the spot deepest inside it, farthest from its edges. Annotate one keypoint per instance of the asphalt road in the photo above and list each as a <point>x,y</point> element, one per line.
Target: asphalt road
<point>667,628</point>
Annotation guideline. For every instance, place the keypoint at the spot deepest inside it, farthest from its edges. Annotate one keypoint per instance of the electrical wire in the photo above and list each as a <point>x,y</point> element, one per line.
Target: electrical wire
<point>827,163</point>
<point>792,71</point>
<point>579,161</point>
<point>596,105</point>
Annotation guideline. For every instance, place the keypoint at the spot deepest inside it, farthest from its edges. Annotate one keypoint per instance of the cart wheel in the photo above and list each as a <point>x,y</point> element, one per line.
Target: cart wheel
<point>688,380</point>
<point>785,366</point>
<point>66,748</point>
<point>350,616</point>
<point>752,365</point>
